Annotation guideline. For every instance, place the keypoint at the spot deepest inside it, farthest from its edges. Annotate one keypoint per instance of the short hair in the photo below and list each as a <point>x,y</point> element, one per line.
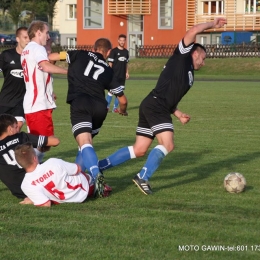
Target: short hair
<point>34,27</point>
<point>24,154</point>
<point>5,121</point>
<point>19,30</point>
<point>197,46</point>
<point>102,44</point>
<point>122,36</point>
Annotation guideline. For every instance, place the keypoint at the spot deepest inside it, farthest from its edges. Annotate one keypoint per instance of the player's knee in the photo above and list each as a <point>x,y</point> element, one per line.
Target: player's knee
<point>140,152</point>
<point>170,147</point>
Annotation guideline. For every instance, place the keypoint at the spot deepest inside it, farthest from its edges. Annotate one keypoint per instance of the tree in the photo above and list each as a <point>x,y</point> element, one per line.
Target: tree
<point>4,5</point>
<point>51,11</point>
<point>14,11</point>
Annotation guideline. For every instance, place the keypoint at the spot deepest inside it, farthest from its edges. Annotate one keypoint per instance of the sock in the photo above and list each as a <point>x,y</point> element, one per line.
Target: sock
<point>154,159</point>
<point>79,160</point>
<point>116,103</point>
<point>39,154</point>
<point>90,160</point>
<point>120,156</point>
<point>109,99</point>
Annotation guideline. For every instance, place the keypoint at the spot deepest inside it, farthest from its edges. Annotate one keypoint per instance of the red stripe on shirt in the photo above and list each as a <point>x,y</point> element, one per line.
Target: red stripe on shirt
<point>35,90</point>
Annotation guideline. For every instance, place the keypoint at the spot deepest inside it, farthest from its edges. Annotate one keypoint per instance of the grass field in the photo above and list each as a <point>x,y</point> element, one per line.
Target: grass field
<point>189,216</point>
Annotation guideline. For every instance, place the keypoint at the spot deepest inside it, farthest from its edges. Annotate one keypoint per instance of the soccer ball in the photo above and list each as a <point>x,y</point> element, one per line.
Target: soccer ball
<point>234,182</point>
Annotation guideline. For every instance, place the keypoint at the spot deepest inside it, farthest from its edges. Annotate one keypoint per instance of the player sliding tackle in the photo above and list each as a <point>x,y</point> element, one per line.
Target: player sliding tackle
<point>88,76</point>
<point>155,110</point>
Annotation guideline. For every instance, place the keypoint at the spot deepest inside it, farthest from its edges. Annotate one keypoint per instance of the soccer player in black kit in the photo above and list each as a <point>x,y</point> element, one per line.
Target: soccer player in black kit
<point>88,76</point>
<point>155,110</point>
<point>118,61</point>
<point>12,174</point>
<point>13,90</point>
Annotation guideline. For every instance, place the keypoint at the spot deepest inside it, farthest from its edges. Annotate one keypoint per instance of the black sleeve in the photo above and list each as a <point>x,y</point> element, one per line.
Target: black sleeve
<point>36,140</point>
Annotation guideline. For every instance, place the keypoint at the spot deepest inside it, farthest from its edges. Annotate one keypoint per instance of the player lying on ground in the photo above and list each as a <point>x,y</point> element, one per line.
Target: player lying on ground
<point>54,180</point>
<point>11,173</point>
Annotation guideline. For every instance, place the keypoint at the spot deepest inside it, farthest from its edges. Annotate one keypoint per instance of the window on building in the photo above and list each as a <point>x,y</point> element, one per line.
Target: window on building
<point>203,40</point>
<point>93,13</point>
<point>72,11</point>
<point>71,41</point>
<point>252,6</point>
<point>165,14</point>
<point>213,7</point>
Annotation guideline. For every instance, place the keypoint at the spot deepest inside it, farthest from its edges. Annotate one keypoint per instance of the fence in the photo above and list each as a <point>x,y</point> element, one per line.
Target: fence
<point>165,51</point>
<point>213,50</point>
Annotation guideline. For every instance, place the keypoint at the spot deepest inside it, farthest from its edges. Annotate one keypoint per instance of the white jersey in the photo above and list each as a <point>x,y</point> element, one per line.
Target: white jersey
<point>39,88</point>
<point>55,180</point>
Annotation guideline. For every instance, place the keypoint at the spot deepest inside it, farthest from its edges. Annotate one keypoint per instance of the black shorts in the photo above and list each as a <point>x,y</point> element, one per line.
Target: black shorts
<point>153,118</point>
<point>118,82</point>
<point>87,114</point>
<point>16,111</point>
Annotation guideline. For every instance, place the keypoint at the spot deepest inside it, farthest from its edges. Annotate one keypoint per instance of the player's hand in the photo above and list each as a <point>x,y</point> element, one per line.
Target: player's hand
<point>123,113</point>
<point>219,22</point>
<point>184,118</point>
<point>26,201</point>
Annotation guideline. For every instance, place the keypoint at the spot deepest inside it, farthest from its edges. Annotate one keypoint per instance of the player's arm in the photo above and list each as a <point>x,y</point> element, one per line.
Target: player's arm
<point>55,56</point>
<point>26,201</point>
<point>184,118</point>
<point>53,141</point>
<point>110,64</point>
<point>48,67</point>
<point>190,35</point>
<point>70,168</point>
<point>127,72</point>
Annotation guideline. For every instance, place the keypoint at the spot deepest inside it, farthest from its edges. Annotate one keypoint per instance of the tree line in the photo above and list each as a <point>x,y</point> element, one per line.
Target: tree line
<point>28,10</point>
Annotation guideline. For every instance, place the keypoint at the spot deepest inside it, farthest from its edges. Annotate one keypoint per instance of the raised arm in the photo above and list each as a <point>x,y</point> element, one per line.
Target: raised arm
<point>190,35</point>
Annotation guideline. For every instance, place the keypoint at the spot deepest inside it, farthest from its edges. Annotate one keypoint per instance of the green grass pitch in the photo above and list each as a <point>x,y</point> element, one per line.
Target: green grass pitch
<point>189,216</point>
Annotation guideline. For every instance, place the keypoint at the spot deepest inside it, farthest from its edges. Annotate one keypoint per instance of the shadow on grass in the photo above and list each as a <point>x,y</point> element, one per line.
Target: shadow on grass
<point>178,160</point>
<point>206,170</point>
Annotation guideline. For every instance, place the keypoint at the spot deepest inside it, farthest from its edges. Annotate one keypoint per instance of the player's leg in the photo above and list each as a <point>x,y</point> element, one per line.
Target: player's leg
<point>153,161</point>
<point>116,103</point>
<point>40,123</point>
<point>109,99</point>
<point>115,107</point>
<point>79,161</point>
<point>157,154</point>
<point>126,153</point>
<point>84,126</point>
<point>144,138</point>
<point>162,128</point>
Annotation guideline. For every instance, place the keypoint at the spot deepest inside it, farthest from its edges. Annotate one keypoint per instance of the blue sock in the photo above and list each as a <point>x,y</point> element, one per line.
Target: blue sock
<point>116,103</point>
<point>90,160</point>
<point>153,161</point>
<point>79,161</point>
<point>109,99</point>
<point>120,156</point>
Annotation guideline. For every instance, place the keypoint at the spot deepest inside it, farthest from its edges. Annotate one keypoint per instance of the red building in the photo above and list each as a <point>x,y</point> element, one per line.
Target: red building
<point>144,22</point>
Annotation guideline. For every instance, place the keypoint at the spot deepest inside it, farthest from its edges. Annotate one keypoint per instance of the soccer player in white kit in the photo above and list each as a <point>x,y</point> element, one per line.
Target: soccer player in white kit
<point>39,100</point>
<point>54,181</point>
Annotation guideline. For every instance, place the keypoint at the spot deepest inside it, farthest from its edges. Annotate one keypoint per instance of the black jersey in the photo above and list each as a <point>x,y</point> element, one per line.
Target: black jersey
<point>11,174</point>
<point>119,59</point>
<point>13,89</point>
<point>176,78</point>
<point>88,73</point>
